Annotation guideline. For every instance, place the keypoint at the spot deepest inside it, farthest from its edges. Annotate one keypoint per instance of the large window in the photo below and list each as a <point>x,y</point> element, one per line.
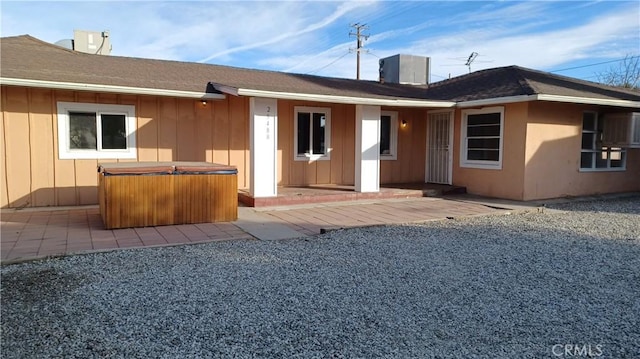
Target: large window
<point>482,132</point>
<point>312,133</point>
<point>95,131</point>
<point>594,156</point>
<point>388,135</point>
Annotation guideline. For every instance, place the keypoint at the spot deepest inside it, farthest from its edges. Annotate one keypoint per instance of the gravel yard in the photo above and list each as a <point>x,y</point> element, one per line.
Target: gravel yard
<point>522,285</point>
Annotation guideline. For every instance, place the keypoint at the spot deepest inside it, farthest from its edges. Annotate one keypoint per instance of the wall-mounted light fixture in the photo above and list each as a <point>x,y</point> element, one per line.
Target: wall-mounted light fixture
<point>403,123</point>
<point>204,103</point>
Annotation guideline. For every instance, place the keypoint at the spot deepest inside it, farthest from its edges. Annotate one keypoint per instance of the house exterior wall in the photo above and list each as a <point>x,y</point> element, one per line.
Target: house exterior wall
<point>339,169</point>
<point>507,182</point>
<point>168,129</point>
<point>412,149</point>
<point>554,132</point>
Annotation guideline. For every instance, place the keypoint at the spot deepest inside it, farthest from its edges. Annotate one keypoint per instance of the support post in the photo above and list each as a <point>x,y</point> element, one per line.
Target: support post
<point>263,147</point>
<point>367,166</point>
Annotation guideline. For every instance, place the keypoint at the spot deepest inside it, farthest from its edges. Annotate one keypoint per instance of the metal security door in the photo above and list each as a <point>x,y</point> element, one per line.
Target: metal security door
<point>439,156</point>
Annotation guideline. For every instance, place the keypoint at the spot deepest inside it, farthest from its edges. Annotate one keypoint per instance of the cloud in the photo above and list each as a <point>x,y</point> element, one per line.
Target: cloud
<point>340,11</point>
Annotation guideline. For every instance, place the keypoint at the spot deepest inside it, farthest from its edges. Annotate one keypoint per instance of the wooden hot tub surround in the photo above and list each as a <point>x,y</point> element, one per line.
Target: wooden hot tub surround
<point>144,194</point>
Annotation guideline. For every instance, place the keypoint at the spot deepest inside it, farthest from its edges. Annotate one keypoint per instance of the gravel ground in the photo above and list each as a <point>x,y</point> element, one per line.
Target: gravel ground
<point>524,286</point>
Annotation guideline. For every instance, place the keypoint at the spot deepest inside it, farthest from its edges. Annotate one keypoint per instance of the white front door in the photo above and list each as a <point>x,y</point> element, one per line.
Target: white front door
<point>439,153</point>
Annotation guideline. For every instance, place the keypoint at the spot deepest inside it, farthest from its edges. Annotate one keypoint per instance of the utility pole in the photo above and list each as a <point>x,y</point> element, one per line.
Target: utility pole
<point>359,35</point>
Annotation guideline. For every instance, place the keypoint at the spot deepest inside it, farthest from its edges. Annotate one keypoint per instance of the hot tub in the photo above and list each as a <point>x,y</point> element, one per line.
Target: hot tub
<point>143,194</point>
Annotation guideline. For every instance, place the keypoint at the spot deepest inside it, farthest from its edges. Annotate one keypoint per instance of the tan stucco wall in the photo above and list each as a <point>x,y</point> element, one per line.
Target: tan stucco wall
<point>507,182</point>
<point>168,129</point>
<point>553,156</point>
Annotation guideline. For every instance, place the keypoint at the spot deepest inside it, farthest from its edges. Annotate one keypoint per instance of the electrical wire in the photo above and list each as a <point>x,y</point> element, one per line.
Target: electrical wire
<point>596,64</point>
<point>329,64</point>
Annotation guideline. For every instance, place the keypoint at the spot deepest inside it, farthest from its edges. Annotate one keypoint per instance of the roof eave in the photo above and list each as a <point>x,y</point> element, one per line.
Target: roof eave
<point>351,100</point>
<point>589,101</point>
<point>553,98</point>
<point>109,88</point>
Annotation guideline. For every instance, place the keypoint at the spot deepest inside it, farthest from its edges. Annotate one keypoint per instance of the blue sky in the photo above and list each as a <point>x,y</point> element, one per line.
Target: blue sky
<point>313,36</point>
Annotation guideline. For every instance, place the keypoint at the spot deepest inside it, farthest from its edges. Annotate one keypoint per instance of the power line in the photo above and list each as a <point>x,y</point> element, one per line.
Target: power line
<point>596,64</point>
<point>329,64</point>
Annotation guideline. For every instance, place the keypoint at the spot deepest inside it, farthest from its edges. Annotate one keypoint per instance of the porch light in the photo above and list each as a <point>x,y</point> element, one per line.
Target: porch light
<point>204,103</point>
<point>403,123</point>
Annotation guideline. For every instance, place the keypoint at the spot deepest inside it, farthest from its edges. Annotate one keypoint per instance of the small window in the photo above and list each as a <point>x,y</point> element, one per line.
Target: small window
<point>593,155</point>
<point>388,135</point>
<point>482,138</point>
<point>95,131</point>
<point>312,133</point>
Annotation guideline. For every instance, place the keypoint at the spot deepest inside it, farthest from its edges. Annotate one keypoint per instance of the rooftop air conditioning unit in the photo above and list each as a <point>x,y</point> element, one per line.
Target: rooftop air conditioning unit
<point>405,69</point>
<point>621,130</point>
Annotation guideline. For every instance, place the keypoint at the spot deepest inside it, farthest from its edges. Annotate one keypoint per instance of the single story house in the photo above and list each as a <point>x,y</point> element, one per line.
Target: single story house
<point>506,132</point>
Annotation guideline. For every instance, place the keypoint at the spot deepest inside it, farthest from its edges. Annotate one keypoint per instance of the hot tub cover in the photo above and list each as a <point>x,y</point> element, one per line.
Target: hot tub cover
<point>140,168</point>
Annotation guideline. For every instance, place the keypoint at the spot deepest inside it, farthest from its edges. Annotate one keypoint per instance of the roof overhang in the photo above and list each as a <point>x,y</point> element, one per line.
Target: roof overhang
<point>109,88</point>
<point>401,102</point>
<point>553,98</point>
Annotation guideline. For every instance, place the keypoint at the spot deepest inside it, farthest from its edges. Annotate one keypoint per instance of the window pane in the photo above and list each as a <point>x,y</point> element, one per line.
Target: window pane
<point>483,155</point>
<point>385,135</point>
<point>617,159</point>
<point>589,121</point>
<point>82,131</point>
<point>114,133</point>
<point>601,159</point>
<point>587,141</point>
<point>304,119</point>
<point>318,132</point>
<point>586,160</point>
<point>483,130</point>
<point>484,119</point>
<point>484,143</point>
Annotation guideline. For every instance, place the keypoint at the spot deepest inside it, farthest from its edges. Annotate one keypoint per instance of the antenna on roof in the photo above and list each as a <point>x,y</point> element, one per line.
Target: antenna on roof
<point>470,60</point>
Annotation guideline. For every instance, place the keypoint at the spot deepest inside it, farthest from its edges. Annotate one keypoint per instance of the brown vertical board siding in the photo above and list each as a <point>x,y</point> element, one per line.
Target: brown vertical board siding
<point>167,127</point>
<point>338,125</point>
<point>186,131</point>
<point>18,145</point>
<point>204,125</point>
<point>147,128</point>
<point>4,196</point>
<point>238,140</point>
<point>64,176</point>
<point>41,139</point>
<point>220,131</point>
<point>86,97</point>
<point>405,148</point>
<point>419,148</point>
<point>285,141</point>
<point>349,147</point>
<point>86,182</point>
<point>108,98</point>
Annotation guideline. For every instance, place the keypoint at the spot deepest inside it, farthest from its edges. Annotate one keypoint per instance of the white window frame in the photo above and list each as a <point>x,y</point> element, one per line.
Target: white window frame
<point>64,149</point>
<point>393,135</point>
<point>482,164</point>
<point>595,151</point>
<point>327,135</point>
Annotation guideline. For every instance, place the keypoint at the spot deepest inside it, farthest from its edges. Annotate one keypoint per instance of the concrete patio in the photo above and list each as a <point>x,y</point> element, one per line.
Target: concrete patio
<point>37,233</point>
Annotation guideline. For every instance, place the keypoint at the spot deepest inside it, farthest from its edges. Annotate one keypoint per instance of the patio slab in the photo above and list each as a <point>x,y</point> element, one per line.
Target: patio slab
<point>37,233</point>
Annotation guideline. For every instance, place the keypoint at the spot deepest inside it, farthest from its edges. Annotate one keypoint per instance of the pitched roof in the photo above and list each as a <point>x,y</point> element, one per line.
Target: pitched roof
<point>512,81</point>
<point>25,57</point>
<point>34,61</point>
